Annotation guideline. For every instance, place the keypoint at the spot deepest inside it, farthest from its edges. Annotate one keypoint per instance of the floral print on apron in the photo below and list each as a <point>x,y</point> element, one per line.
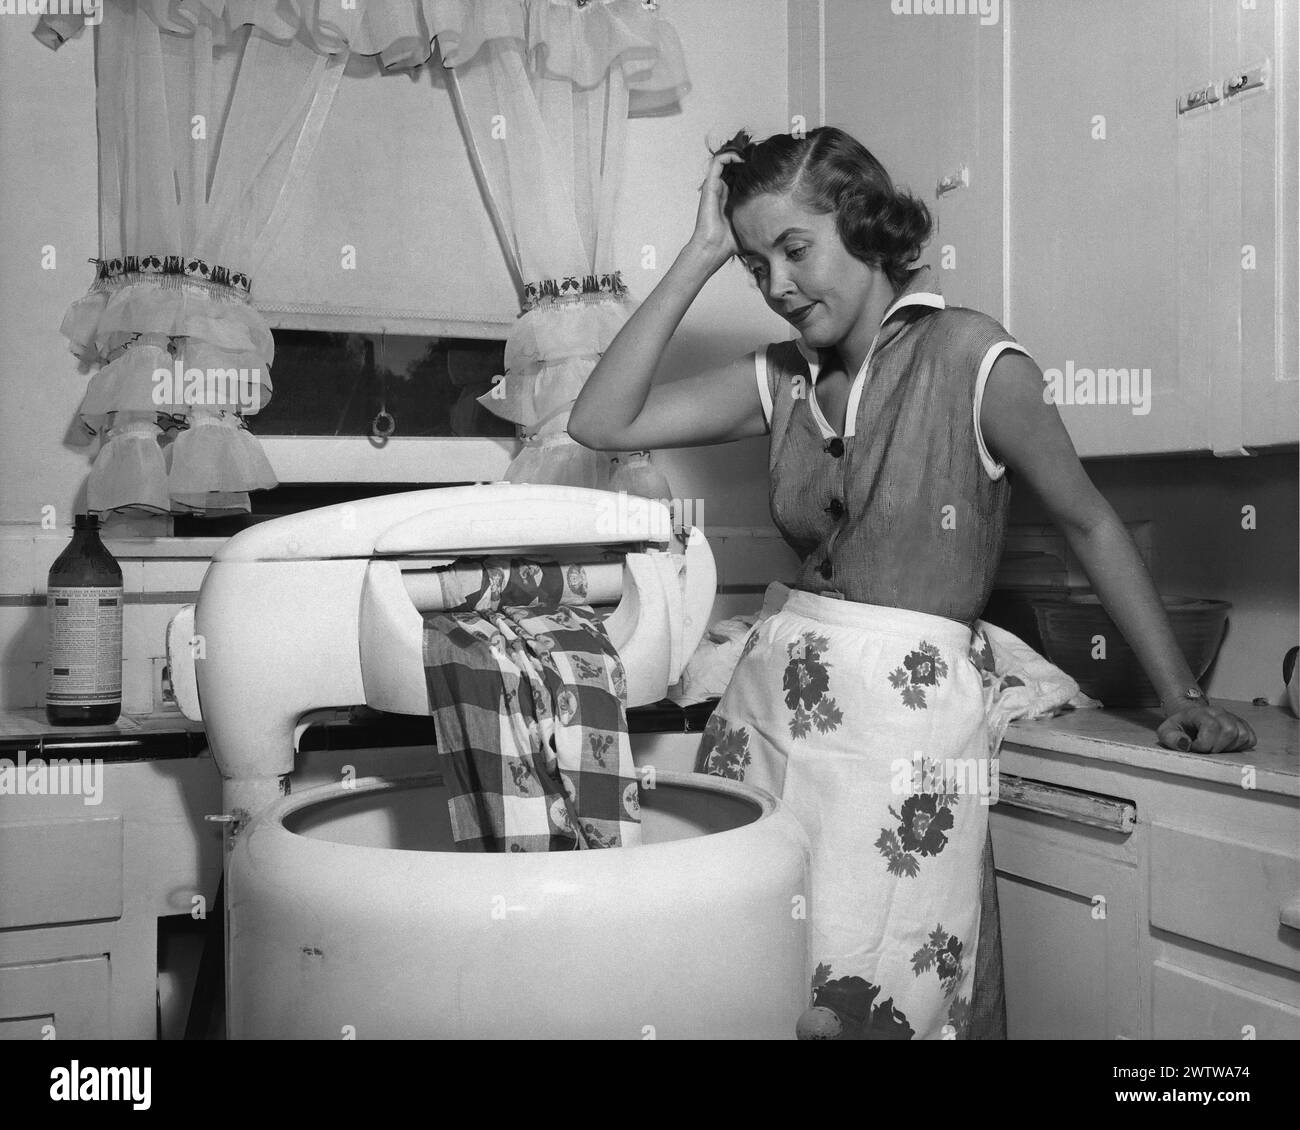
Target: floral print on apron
<point>869,724</point>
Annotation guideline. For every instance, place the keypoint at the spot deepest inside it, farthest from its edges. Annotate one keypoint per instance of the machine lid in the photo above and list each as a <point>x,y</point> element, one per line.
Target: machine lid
<point>456,521</point>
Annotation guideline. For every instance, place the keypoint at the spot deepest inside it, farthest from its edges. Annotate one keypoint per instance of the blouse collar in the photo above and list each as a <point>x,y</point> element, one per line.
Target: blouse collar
<point>916,292</point>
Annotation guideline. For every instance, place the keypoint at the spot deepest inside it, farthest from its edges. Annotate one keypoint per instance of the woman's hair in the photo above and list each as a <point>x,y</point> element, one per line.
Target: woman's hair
<point>828,171</point>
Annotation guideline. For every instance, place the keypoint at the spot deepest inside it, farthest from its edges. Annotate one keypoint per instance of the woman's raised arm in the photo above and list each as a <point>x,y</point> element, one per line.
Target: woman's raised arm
<point>618,410</point>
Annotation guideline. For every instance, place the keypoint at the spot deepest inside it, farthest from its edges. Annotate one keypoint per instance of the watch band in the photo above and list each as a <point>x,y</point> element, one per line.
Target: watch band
<point>1190,694</point>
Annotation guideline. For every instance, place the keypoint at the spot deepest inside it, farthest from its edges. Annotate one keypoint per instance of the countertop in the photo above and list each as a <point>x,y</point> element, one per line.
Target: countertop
<point>164,735</point>
<point>1120,736</point>
<point>1128,737</point>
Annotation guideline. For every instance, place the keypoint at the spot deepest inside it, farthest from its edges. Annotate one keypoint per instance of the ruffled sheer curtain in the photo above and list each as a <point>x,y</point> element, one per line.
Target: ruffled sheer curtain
<point>544,105</point>
<point>204,128</point>
<point>543,88</point>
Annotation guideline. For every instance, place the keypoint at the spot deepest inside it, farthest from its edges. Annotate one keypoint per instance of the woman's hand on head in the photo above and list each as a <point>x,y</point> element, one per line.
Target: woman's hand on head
<point>1203,728</point>
<point>713,235</point>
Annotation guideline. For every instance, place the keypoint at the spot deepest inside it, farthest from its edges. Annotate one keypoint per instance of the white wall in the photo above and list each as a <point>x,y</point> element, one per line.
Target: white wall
<point>736,55</point>
<point>1201,548</point>
<point>737,59</point>
<point>48,197</point>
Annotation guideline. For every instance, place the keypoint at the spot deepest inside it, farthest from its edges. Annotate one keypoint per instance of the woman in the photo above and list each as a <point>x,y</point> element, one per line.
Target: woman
<point>894,422</point>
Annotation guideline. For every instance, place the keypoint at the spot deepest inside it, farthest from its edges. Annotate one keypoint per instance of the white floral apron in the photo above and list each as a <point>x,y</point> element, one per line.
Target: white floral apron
<point>870,724</point>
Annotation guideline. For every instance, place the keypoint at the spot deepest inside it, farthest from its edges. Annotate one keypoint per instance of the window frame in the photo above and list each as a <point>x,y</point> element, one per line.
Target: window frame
<point>399,459</point>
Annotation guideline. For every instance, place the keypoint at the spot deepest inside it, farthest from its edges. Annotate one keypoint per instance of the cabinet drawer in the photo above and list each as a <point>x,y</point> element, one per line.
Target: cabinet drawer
<point>54,871</point>
<point>1190,1006</point>
<point>1225,893</point>
<point>63,1000</point>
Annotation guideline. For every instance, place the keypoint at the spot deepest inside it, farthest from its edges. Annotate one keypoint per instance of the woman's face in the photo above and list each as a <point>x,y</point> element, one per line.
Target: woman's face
<point>803,269</point>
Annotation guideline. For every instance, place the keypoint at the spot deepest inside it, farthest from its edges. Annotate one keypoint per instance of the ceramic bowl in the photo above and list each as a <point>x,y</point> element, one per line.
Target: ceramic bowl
<point>1080,637</point>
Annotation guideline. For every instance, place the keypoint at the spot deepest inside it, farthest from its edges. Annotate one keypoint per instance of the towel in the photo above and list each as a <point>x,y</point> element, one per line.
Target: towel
<point>709,669</point>
<point>529,713</point>
<point>1018,682</point>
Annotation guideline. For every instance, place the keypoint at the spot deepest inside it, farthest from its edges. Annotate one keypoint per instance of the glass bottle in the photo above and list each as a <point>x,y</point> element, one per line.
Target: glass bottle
<point>84,610</point>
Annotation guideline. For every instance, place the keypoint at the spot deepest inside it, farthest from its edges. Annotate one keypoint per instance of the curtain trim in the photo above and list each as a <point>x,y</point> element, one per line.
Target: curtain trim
<point>574,288</point>
<point>152,266</point>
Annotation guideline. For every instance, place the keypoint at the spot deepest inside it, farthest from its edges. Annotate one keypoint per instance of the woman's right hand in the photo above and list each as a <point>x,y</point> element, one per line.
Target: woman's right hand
<point>713,236</point>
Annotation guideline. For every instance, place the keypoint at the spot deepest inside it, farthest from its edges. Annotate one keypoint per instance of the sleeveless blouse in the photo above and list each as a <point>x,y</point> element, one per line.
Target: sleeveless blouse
<point>908,509</point>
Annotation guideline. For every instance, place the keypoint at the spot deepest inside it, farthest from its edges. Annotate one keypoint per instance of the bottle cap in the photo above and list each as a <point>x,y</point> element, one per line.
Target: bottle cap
<point>86,522</point>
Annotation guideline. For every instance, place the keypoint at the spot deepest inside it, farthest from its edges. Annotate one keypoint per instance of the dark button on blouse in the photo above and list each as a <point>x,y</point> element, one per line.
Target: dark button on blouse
<point>835,447</point>
<point>836,508</point>
<point>825,569</point>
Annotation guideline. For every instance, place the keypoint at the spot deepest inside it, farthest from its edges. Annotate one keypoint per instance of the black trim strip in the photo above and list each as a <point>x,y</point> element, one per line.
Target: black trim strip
<point>365,729</point>
<point>164,745</point>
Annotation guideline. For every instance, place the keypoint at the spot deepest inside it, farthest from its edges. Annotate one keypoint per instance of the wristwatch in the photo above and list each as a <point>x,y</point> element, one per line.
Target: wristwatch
<point>1191,694</point>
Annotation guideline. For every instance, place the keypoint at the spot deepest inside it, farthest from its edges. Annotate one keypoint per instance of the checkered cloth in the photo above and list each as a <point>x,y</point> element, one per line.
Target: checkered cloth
<point>529,711</point>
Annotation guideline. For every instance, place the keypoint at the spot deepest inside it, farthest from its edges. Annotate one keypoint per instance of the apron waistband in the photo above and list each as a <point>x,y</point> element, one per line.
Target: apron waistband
<point>938,630</point>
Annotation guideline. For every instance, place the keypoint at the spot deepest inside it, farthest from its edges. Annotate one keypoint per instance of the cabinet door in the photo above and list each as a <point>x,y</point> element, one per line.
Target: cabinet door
<point>967,246</point>
<point>1237,181</point>
<point>1146,259</point>
<point>1070,929</point>
<point>925,96</point>
<point>1266,129</point>
<point>1144,238</point>
<point>1093,202</point>
<point>884,79</point>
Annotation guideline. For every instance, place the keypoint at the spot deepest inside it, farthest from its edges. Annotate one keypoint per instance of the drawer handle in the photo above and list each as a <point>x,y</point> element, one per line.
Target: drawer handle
<point>1289,915</point>
<point>1110,813</point>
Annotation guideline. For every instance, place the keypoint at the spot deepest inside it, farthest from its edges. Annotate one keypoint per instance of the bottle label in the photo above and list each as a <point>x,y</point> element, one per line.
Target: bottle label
<point>85,645</point>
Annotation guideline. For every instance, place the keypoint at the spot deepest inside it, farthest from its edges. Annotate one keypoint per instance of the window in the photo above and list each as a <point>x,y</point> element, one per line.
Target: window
<point>363,407</point>
<point>352,384</point>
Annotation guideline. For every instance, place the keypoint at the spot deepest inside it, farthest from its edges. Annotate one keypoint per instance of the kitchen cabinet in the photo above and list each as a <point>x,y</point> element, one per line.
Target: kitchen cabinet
<point>53,1000</point>
<point>82,886</point>
<point>1179,921</point>
<point>1106,230</point>
<point>1069,903</point>
<point>83,882</point>
<point>1097,271</point>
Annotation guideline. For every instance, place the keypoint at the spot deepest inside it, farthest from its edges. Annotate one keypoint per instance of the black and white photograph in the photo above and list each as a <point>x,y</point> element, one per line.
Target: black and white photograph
<point>836,463</point>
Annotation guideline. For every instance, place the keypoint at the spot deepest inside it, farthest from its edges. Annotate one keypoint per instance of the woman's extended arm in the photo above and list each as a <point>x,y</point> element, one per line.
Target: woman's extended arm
<point>618,410</point>
<point>1027,434</point>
